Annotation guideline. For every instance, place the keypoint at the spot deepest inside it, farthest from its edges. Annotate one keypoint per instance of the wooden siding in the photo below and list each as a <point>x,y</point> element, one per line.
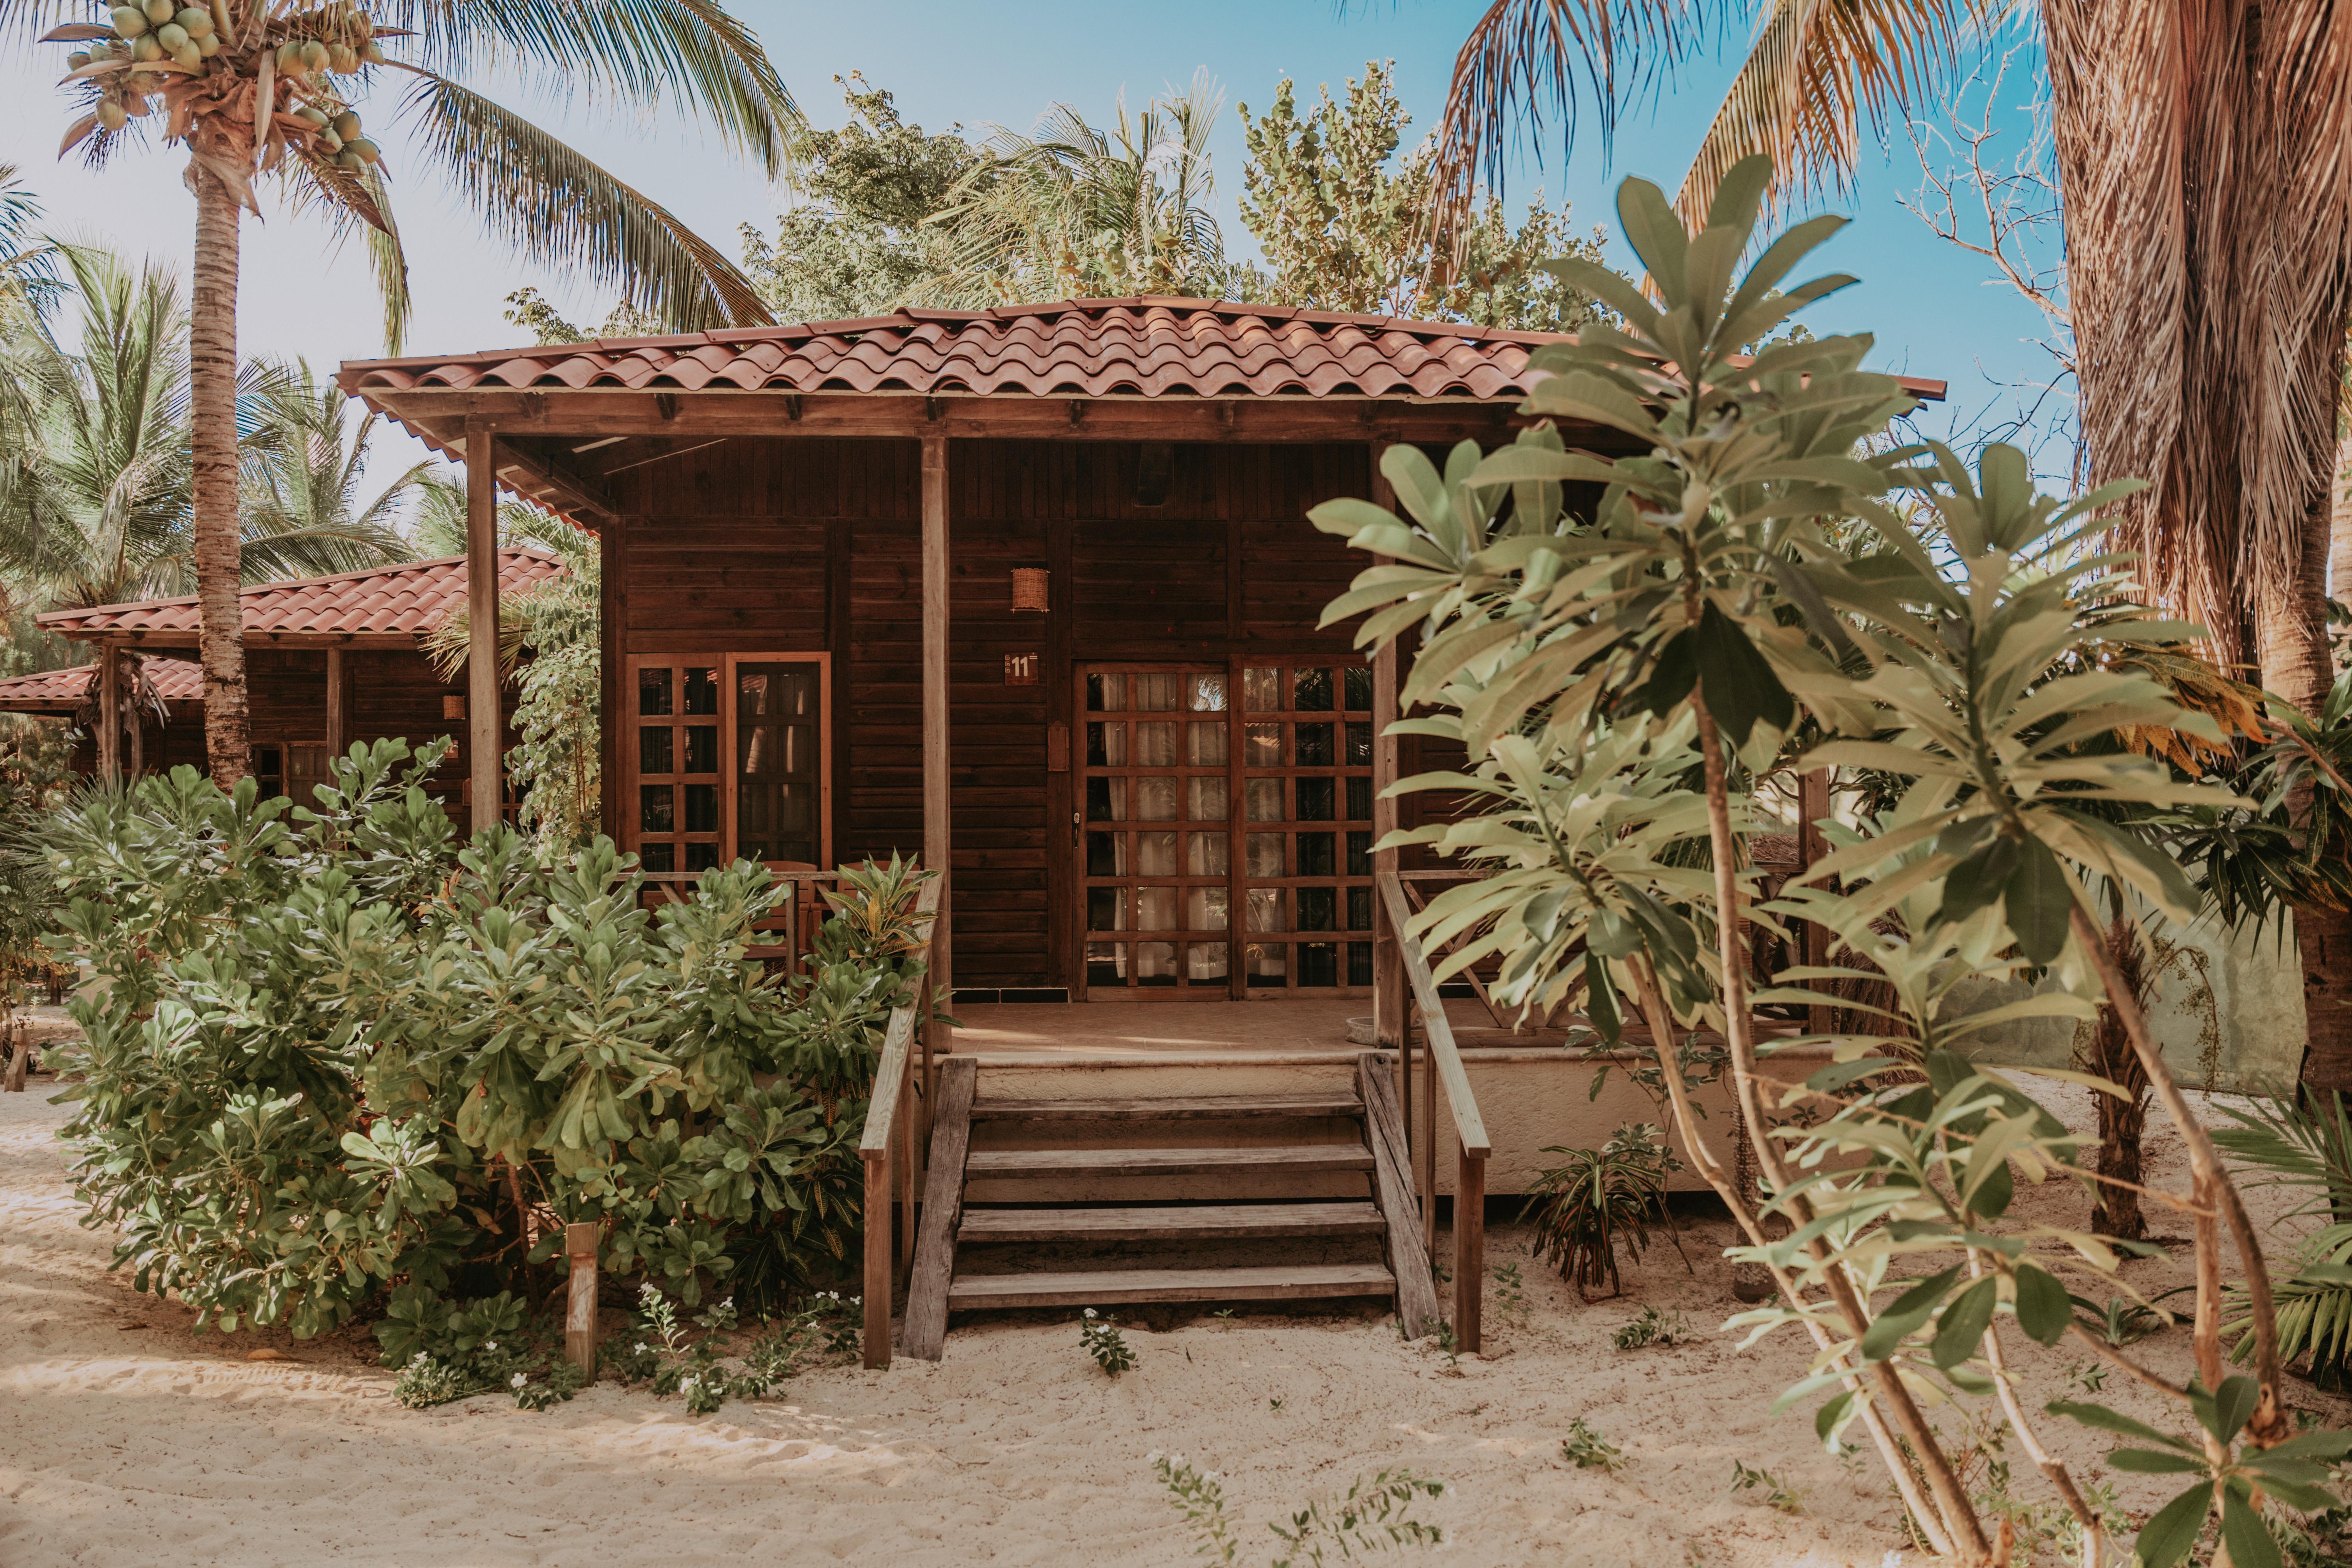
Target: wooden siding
<point>812,544</point>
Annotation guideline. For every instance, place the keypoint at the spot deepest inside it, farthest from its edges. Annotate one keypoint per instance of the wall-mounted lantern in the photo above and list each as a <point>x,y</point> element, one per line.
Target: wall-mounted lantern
<point>1029,589</point>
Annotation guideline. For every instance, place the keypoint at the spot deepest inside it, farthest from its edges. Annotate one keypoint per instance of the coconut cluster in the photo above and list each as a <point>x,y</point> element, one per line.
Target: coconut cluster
<point>309,49</point>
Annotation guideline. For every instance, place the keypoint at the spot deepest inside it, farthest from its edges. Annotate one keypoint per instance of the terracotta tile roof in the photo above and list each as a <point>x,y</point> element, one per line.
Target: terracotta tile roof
<point>64,690</point>
<point>1150,347</point>
<point>411,598</point>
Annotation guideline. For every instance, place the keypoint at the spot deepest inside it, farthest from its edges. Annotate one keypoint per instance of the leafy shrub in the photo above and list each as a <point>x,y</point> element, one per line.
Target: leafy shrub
<point>1587,1449</point>
<point>1596,1199</point>
<point>1652,1328</point>
<point>338,1050</point>
<point>1777,1497</point>
<point>660,1351</point>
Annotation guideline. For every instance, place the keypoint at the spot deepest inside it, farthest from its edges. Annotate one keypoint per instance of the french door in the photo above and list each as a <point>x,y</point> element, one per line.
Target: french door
<point>1226,833</point>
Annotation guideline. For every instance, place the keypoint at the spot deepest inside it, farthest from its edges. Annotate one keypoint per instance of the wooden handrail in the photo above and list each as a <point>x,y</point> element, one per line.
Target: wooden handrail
<point>885,1135</point>
<point>1444,1067</point>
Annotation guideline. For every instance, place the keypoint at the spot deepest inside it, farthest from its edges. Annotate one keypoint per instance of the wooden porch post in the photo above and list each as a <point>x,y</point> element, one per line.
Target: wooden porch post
<point>937,836</point>
<point>482,735</point>
<point>109,714</point>
<point>1391,1002</point>
<point>335,741</point>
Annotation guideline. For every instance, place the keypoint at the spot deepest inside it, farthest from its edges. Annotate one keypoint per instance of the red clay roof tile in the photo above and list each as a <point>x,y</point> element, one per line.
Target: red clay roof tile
<point>411,598</point>
<point>62,691</point>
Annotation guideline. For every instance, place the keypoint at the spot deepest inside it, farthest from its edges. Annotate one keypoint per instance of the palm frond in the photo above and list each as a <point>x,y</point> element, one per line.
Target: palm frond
<point>558,209</point>
<point>360,204</point>
<point>691,52</point>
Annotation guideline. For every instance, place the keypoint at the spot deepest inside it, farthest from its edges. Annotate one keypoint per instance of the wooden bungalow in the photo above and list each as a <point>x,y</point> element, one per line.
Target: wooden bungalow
<point>329,660</point>
<point>1030,592</point>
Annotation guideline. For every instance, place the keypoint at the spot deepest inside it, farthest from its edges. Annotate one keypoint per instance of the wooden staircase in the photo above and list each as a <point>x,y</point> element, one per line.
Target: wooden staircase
<point>1279,1145</point>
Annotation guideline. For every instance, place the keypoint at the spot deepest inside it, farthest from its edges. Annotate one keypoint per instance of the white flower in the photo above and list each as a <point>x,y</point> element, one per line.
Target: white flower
<point>516,1381</point>
<point>418,1359</point>
<point>1090,1311</point>
<point>641,1347</point>
<point>489,1344</point>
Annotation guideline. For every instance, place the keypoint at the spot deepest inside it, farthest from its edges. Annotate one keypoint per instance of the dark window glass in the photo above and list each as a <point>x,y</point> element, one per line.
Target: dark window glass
<point>1360,854</point>
<point>1099,804</point>
<point>702,691</point>
<point>1360,800</point>
<point>1360,963</point>
<point>1104,965</point>
<point>1310,690</point>
<point>1315,855</point>
<point>1318,963</point>
<point>1358,682</point>
<point>701,808</point>
<point>1317,908</point>
<point>654,744</point>
<point>1315,800</point>
<point>776,757</point>
<point>653,692</point>
<point>1360,910</point>
<point>701,749</point>
<point>659,857</point>
<point>702,857</point>
<point>1313,744</point>
<point>1102,909</point>
<point>1097,757</point>
<point>1095,694</point>
<point>1359,744</point>
<point>1102,854</point>
<point>657,808</point>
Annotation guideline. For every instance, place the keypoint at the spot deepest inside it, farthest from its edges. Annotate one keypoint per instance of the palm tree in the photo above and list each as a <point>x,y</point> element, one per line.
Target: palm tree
<point>252,88</point>
<point>1072,210</point>
<point>98,491</point>
<point>2204,150</point>
<point>303,464</point>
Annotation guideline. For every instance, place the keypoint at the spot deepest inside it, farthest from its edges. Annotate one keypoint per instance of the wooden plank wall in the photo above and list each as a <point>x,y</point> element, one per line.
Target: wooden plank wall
<point>812,544</point>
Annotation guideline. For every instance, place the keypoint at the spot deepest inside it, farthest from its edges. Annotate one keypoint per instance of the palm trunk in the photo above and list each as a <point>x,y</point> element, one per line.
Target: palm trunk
<point>212,377</point>
<point>2116,1211</point>
<point>2291,639</point>
<point>2339,528</point>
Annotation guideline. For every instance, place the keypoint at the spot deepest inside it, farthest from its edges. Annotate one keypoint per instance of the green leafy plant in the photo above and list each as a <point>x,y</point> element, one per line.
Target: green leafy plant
<point>1100,1338</point>
<point>2293,1143</point>
<point>1374,1514</point>
<point>1653,1328</point>
<point>337,1052</point>
<point>1587,1449</point>
<point>660,1350</point>
<point>1511,1303</point>
<point>1777,1497</point>
<point>1598,1200</point>
<point>448,1350</point>
<point>1770,582</point>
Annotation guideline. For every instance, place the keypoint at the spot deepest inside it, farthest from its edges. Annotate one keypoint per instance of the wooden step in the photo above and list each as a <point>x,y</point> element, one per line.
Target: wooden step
<point>1201,1108</point>
<point>1110,1287</point>
<point>1267,1162</point>
<point>1208,1221</point>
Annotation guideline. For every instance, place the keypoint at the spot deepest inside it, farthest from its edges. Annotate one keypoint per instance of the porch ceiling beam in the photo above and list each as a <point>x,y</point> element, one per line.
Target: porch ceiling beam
<point>544,478</point>
<point>609,411</point>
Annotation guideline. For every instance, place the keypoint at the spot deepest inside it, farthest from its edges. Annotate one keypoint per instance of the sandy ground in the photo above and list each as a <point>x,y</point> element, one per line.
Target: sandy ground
<point>126,1439</point>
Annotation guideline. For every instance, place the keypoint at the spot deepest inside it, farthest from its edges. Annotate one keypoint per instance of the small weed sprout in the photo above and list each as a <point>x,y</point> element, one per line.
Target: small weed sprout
<point>1200,1496</point>
<point>1375,1515</point>
<point>1099,1337</point>
<point>1780,1498</point>
<point>2090,1376</point>
<point>1511,1295</point>
<point>1449,1343</point>
<point>1587,1449</point>
<point>1653,1328</point>
<point>1274,1403</point>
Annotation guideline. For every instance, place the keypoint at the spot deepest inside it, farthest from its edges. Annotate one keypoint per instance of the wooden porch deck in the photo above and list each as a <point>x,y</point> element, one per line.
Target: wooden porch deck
<point>1041,1034</point>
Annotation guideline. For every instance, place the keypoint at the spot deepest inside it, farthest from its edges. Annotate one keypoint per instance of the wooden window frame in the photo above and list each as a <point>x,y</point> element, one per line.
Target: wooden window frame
<point>632,831</point>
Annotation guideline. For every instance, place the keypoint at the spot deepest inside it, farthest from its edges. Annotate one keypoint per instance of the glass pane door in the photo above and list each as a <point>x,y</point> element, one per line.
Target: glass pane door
<point>674,711</point>
<point>778,749</point>
<point>1157,832</point>
<point>1307,827</point>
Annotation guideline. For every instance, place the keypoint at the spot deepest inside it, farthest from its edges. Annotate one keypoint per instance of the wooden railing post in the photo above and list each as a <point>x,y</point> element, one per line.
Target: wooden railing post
<point>1469,1247</point>
<point>580,1300</point>
<point>876,1337</point>
<point>889,1125</point>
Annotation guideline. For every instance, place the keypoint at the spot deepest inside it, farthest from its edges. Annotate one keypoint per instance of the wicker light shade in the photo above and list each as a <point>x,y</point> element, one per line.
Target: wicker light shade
<point>1029,588</point>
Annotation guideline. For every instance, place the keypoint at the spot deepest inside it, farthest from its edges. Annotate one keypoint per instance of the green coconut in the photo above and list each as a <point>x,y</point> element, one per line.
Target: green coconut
<point>196,20</point>
<point>171,35</point>
<point>76,60</point>
<point>311,113</point>
<point>113,115</point>
<point>314,55</point>
<point>346,124</point>
<point>145,49</point>
<point>188,55</point>
<point>159,11</point>
<point>290,59</point>
<point>130,21</point>
<point>362,149</point>
<point>208,45</point>
<point>371,54</point>
<point>347,159</point>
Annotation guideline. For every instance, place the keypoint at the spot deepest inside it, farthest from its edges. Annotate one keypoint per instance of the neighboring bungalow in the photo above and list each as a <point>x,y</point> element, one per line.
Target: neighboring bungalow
<point>329,660</point>
<point>1030,592</point>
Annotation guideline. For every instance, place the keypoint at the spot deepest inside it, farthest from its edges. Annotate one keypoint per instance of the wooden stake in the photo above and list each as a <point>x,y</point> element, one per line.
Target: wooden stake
<point>579,1303</point>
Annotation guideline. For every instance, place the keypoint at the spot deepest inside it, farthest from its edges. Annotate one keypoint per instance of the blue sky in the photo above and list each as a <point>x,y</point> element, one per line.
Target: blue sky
<point>1926,301</point>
